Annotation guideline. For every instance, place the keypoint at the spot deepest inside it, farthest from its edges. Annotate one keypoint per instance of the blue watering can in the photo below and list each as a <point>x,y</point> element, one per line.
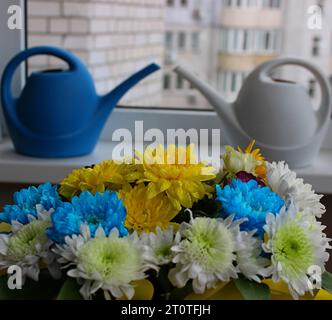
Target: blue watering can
<point>59,114</point>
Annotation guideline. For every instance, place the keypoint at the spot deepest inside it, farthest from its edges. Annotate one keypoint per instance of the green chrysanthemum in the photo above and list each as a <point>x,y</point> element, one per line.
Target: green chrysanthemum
<point>293,249</point>
<point>28,246</point>
<point>107,263</point>
<point>210,244</point>
<point>26,240</point>
<point>296,242</point>
<point>206,255</point>
<point>115,259</point>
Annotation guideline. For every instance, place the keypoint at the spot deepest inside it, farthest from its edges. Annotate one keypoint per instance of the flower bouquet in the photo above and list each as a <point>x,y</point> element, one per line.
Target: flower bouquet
<point>166,226</point>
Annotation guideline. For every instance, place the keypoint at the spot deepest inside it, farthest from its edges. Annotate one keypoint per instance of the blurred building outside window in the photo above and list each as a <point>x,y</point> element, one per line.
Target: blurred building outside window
<point>221,40</point>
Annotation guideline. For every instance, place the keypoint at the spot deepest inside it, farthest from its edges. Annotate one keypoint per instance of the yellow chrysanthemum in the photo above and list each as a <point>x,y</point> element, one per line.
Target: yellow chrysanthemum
<point>108,175</point>
<point>145,214</point>
<point>117,174</point>
<point>256,153</point>
<point>85,179</point>
<point>176,173</point>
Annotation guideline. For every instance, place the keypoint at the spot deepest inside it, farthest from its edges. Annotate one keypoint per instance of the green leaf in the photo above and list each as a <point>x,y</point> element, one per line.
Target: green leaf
<point>45,289</point>
<point>181,293</point>
<point>163,280</point>
<point>327,281</point>
<point>251,290</point>
<point>70,290</point>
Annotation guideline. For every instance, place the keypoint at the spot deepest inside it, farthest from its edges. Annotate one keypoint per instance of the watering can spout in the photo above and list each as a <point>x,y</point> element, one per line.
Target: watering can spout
<point>111,99</point>
<point>207,91</point>
<point>231,128</point>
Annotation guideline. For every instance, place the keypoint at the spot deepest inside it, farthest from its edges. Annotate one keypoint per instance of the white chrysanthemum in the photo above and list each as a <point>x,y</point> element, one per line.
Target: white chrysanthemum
<point>295,243</point>
<point>206,254</point>
<point>283,181</point>
<point>107,263</point>
<point>158,245</point>
<point>27,246</point>
<point>249,260</point>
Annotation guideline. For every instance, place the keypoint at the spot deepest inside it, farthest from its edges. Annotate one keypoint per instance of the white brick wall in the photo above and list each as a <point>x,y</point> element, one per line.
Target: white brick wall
<point>37,24</point>
<point>59,25</point>
<point>79,26</point>
<point>113,37</point>
<point>44,8</point>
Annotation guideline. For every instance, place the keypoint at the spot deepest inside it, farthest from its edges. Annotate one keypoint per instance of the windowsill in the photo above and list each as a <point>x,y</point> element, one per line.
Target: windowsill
<point>16,168</point>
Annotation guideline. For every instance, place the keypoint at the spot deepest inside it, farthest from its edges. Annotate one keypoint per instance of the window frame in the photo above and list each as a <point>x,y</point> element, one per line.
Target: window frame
<point>154,117</point>
<point>17,42</point>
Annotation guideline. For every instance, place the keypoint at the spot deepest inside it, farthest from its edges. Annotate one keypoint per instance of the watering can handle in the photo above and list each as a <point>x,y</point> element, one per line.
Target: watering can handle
<point>8,101</point>
<point>324,111</point>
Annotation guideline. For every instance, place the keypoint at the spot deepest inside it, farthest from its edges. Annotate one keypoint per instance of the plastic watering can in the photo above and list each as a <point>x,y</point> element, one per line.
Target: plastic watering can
<point>278,114</point>
<point>59,114</point>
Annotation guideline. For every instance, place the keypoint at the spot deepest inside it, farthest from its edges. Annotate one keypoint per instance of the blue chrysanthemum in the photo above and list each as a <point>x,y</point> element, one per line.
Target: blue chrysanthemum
<point>101,209</point>
<point>25,202</point>
<point>249,200</point>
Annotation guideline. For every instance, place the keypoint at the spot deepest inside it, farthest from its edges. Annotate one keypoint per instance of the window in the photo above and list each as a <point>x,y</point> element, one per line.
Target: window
<point>230,82</point>
<point>224,40</point>
<point>222,85</point>
<point>113,49</point>
<point>321,4</point>
<point>179,82</point>
<point>192,99</point>
<point>276,42</point>
<point>316,46</point>
<point>167,81</point>
<point>184,3</point>
<point>182,40</point>
<point>233,81</point>
<point>271,4</point>
<point>114,46</point>
<point>267,40</point>
<point>195,41</point>
<point>252,3</point>
<point>240,3</point>
<point>274,4</point>
<point>169,40</point>
<point>235,39</point>
<point>312,88</point>
<point>245,40</point>
<point>170,3</point>
<point>250,41</point>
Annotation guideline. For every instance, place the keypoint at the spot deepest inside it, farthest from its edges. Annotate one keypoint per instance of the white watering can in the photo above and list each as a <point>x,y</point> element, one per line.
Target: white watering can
<point>278,114</point>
